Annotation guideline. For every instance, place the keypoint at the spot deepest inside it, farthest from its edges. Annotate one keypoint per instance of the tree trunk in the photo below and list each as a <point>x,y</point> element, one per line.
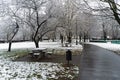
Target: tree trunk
<point>80,38</point>
<point>61,38</point>
<point>84,37</point>
<point>36,44</point>
<point>10,44</point>
<point>76,40</point>
<point>53,40</point>
<point>104,35</point>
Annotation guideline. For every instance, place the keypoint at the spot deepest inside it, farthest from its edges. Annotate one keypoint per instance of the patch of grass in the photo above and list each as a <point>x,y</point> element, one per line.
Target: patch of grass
<point>14,54</point>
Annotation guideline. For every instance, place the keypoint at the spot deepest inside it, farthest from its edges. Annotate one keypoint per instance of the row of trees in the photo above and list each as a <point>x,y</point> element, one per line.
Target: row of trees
<point>39,17</point>
<point>68,18</point>
<point>107,13</point>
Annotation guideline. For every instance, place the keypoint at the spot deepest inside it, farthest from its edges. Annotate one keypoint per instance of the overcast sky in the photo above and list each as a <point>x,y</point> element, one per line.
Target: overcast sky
<point>91,2</point>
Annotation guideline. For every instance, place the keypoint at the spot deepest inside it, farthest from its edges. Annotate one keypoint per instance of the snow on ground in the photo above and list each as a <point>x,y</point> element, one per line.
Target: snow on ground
<point>109,46</point>
<point>45,44</point>
<point>10,70</point>
<point>32,70</point>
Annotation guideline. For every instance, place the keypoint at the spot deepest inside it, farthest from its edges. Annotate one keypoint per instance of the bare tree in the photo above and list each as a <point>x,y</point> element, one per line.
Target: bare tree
<point>114,6</point>
<point>10,22</point>
<point>36,18</point>
<point>10,30</point>
<point>66,14</point>
<point>14,32</point>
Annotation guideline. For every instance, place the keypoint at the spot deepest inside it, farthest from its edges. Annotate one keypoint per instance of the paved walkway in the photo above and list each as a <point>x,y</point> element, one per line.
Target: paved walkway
<point>99,64</point>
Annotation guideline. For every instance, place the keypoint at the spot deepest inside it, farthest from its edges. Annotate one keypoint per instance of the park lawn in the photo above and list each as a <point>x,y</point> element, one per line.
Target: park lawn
<point>13,70</point>
<point>14,54</point>
<point>10,70</point>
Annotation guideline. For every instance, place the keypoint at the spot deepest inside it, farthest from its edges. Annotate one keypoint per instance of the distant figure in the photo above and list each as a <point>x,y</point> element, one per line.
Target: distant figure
<point>61,37</point>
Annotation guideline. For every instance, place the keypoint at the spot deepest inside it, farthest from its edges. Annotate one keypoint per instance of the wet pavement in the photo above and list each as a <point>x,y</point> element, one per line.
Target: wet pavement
<point>99,64</point>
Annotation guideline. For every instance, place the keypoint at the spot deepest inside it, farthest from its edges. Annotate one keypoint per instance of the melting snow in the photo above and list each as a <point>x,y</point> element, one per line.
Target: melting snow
<point>10,70</point>
<point>23,45</point>
<point>30,70</point>
<point>109,46</point>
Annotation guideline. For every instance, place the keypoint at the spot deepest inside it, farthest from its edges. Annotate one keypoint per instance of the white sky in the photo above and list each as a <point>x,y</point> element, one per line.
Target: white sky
<point>92,3</point>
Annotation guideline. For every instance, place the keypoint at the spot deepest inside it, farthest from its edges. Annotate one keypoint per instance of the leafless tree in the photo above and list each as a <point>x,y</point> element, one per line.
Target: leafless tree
<point>36,18</point>
<point>10,23</point>
<point>114,6</point>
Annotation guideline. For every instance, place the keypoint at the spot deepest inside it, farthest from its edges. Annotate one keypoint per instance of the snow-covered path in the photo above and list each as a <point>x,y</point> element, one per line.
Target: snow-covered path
<point>109,46</point>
